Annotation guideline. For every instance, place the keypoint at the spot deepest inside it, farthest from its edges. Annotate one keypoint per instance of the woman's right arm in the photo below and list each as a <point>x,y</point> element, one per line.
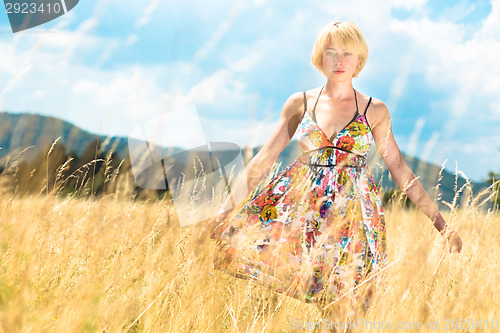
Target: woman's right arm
<point>262,162</point>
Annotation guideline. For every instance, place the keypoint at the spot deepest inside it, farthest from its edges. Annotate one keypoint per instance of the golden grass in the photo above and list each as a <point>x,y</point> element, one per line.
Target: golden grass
<point>112,265</point>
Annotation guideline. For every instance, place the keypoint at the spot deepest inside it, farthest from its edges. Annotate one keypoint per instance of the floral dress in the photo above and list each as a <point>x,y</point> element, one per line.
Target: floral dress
<point>316,231</point>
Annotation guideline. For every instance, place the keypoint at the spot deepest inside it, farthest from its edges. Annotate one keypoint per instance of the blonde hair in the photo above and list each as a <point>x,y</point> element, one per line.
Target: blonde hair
<point>345,34</point>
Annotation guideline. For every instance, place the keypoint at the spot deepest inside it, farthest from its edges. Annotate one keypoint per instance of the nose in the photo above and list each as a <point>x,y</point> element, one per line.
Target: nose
<point>338,59</point>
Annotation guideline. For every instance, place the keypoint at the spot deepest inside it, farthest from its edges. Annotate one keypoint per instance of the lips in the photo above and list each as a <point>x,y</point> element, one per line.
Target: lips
<point>338,72</point>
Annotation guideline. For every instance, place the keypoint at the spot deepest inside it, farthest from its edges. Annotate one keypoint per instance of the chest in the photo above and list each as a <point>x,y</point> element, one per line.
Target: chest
<point>333,118</point>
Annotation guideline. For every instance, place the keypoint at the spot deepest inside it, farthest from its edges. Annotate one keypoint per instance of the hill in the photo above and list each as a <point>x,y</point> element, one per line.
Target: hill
<point>19,131</point>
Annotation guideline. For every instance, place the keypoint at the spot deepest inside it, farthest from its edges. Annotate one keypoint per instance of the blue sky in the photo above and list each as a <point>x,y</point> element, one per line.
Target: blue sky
<point>109,65</point>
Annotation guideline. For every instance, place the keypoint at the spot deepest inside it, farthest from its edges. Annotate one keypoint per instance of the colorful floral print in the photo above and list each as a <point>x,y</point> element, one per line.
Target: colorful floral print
<point>317,229</point>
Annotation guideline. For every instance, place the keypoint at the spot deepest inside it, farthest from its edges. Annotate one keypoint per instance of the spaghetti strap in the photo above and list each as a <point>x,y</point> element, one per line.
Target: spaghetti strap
<point>305,105</point>
<point>367,105</point>
<point>314,108</point>
<point>356,100</point>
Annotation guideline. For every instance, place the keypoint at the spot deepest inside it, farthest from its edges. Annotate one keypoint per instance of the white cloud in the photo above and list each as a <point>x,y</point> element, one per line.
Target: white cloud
<point>398,86</point>
<point>458,11</point>
<point>16,78</point>
<point>148,11</point>
<point>131,40</point>
<point>430,145</point>
<point>409,4</point>
<point>494,110</point>
<point>490,28</point>
<point>413,141</point>
<point>219,33</point>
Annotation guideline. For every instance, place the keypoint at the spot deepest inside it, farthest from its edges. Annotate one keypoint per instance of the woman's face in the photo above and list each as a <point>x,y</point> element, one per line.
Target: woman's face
<point>339,64</point>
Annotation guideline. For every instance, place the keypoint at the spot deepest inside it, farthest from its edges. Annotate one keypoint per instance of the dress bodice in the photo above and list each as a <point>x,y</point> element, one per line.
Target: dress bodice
<point>351,144</point>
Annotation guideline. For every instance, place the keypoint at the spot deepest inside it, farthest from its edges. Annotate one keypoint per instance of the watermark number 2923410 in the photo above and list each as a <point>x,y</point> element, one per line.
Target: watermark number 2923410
<point>26,14</point>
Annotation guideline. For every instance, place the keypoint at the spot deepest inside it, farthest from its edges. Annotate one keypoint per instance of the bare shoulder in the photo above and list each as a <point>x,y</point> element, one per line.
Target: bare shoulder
<point>377,112</point>
<point>294,105</point>
<point>296,99</point>
<point>379,109</point>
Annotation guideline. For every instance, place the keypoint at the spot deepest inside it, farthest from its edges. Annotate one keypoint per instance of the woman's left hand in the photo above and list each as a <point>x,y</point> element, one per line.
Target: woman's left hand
<point>454,242</point>
<point>214,226</point>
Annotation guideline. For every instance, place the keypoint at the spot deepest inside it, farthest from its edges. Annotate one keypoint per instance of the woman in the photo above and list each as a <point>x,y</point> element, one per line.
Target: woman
<point>316,231</point>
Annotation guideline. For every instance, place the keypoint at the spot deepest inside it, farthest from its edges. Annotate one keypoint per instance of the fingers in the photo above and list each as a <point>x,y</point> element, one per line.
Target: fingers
<point>209,226</point>
<point>216,225</point>
<point>206,230</point>
<point>217,231</point>
<point>455,243</point>
<point>458,245</point>
<point>453,240</point>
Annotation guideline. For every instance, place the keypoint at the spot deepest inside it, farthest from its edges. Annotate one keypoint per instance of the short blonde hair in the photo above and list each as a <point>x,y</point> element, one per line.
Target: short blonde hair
<point>345,34</point>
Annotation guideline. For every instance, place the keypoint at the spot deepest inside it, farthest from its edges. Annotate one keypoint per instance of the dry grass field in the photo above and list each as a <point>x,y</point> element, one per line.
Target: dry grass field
<point>123,265</point>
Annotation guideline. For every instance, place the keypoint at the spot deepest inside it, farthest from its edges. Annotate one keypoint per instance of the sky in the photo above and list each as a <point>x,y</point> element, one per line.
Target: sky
<point>118,67</point>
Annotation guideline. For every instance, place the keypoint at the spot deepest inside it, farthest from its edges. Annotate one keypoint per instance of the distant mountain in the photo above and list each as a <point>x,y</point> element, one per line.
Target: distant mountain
<point>21,130</point>
<point>18,131</point>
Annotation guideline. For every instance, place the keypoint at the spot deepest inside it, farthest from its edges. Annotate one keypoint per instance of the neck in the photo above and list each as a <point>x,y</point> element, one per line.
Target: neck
<point>338,90</point>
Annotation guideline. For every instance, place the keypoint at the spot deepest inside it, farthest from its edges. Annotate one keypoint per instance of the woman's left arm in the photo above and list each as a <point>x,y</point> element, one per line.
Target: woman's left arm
<point>388,149</point>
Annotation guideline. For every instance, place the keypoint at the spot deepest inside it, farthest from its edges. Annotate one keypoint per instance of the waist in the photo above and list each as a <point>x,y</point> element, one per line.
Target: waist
<point>333,157</point>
